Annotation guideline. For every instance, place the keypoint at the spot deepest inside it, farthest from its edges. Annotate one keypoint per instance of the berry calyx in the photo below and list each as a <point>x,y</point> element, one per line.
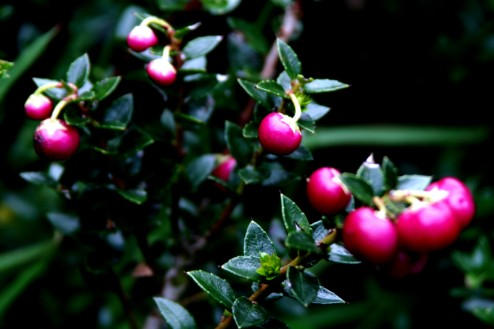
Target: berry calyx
<point>141,37</point>
<point>279,134</point>
<point>427,227</point>
<point>55,140</point>
<point>459,198</point>
<point>225,168</point>
<point>370,236</point>
<point>326,193</point>
<point>161,71</point>
<point>38,107</point>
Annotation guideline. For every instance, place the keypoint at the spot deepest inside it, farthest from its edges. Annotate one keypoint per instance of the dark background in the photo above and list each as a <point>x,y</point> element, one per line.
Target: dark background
<point>418,63</point>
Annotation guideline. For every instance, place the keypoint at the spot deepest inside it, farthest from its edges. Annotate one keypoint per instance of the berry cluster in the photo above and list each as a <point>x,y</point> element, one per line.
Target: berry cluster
<point>142,37</point>
<point>428,220</point>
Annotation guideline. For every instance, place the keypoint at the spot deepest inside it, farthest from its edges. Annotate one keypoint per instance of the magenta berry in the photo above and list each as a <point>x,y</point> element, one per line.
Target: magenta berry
<point>279,134</point>
<point>370,236</point>
<point>326,192</point>
<point>225,168</point>
<point>141,37</point>
<point>459,198</point>
<point>38,107</point>
<point>161,71</point>
<point>427,227</point>
<point>55,140</point>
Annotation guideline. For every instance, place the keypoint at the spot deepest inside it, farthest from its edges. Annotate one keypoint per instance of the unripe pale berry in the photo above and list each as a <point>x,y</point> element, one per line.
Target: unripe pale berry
<point>55,140</point>
<point>459,198</point>
<point>428,227</point>
<point>141,37</point>
<point>370,236</point>
<point>279,134</point>
<point>38,107</point>
<point>161,71</point>
<point>326,192</point>
<point>225,168</point>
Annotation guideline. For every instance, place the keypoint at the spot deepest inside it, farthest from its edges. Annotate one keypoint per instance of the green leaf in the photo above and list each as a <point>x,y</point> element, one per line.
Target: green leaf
<point>302,286</point>
<point>307,125</point>
<point>105,87</point>
<point>270,265</point>
<point>78,72</point>
<point>174,314</point>
<point>172,5</point>
<point>26,58</point>
<point>249,175</point>
<point>137,196</point>
<point>67,224</point>
<point>244,267</point>
<point>301,154</point>
<point>182,32</point>
<point>289,59</point>
<point>479,261</point>
<point>323,86</point>
<point>390,174</point>
<point>339,254</point>
<point>195,65</point>
<point>301,241</point>
<point>371,172</point>
<point>14,258</point>
<point>252,33</point>
<point>256,240</point>
<point>168,121</point>
<point>216,287</point>
<point>413,182</point>
<point>485,314</point>
<point>360,189</point>
<point>37,178</point>
<point>220,7</point>
<point>284,81</point>
<point>118,115</point>
<point>201,46</point>
<point>56,93</point>
<point>250,130</point>
<point>199,169</point>
<point>293,218</point>
<point>316,111</point>
<point>319,231</point>
<point>4,68</point>
<point>248,314</point>
<point>325,296</point>
<point>272,87</point>
<point>258,95</point>
<point>240,148</point>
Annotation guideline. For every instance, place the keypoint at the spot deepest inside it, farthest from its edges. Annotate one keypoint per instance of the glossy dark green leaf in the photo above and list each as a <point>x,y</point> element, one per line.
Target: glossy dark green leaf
<point>390,174</point>
<point>302,286</point>
<point>325,296</point>
<point>37,178</point>
<point>119,114</point>
<point>240,148</point>
<point>67,224</point>
<point>220,7</point>
<point>301,154</point>
<point>479,261</point>
<point>319,231</point>
<point>244,267</point>
<point>359,188</point>
<point>168,122</point>
<point>301,241</point>
<point>371,172</point>
<point>74,117</point>
<point>323,86</point>
<point>251,32</point>
<point>56,93</point>
<point>413,182</point>
<point>174,314</point>
<point>272,87</point>
<point>137,196</point>
<point>256,240</point>
<point>316,111</point>
<point>195,65</point>
<point>339,254</point>
<point>307,125</point>
<point>216,287</point>
<point>258,95</point>
<point>201,46</point>
<point>250,130</point>
<point>78,72</point>
<point>289,59</point>
<point>293,218</point>
<point>105,87</point>
<point>284,81</point>
<point>249,175</point>
<point>199,169</point>
<point>248,314</point>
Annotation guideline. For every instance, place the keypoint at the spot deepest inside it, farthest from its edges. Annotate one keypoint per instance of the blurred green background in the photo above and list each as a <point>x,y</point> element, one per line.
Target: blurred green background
<point>421,93</point>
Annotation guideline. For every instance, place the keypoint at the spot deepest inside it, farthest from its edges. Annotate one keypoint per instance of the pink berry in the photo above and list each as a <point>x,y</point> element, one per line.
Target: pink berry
<point>279,134</point>
<point>326,192</point>
<point>404,264</point>
<point>225,168</point>
<point>161,71</point>
<point>459,198</point>
<point>428,227</point>
<point>141,37</point>
<point>55,140</point>
<point>38,107</point>
<point>370,236</point>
